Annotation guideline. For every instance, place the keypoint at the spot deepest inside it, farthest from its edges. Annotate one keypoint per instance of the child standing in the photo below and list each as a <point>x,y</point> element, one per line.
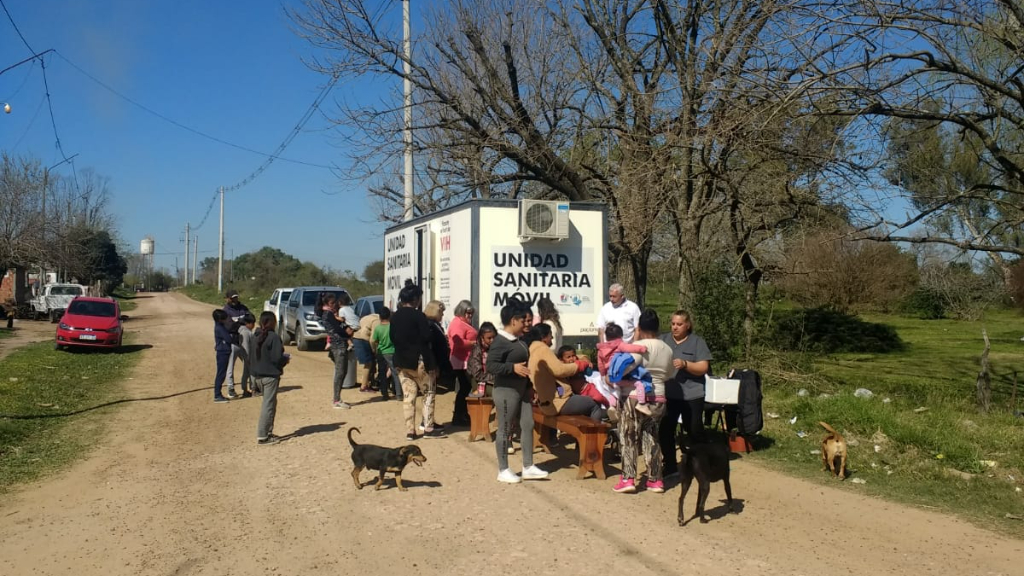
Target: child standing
<point>222,347</point>
<point>245,337</point>
<point>269,361</point>
<point>380,341</point>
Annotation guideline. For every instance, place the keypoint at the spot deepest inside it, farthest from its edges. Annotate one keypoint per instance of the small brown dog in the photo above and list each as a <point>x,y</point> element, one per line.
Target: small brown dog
<point>833,446</point>
<point>383,460</point>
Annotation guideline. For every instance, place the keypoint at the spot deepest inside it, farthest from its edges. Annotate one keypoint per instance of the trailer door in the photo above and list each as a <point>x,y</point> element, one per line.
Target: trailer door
<point>425,262</point>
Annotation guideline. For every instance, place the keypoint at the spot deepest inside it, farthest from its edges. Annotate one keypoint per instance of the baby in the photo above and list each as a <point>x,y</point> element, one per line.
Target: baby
<point>615,344</point>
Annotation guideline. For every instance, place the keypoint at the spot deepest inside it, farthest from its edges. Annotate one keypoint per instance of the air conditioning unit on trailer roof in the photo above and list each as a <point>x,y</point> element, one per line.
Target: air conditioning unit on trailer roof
<point>547,219</point>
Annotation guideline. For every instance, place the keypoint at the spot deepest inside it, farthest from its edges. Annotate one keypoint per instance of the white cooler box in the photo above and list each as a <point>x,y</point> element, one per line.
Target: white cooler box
<point>722,391</point>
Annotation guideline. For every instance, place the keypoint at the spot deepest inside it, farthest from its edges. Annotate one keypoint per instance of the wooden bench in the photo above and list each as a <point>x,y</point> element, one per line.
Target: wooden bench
<point>480,418</point>
<point>590,439</point>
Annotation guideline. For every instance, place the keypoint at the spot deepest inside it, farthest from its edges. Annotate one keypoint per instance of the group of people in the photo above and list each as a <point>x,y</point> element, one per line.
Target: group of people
<point>238,337</point>
<point>643,381</point>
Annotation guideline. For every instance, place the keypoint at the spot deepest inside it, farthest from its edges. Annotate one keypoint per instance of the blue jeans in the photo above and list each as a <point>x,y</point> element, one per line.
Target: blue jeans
<point>388,361</point>
<point>222,372</point>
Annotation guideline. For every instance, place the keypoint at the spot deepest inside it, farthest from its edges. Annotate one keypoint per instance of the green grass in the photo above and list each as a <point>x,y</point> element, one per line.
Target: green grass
<point>47,398</point>
<point>929,434</point>
<point>126,299</point>
<point>210,295</point>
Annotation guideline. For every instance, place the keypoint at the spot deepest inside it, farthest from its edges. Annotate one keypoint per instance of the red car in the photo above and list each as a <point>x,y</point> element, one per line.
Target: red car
<point>90,322</point>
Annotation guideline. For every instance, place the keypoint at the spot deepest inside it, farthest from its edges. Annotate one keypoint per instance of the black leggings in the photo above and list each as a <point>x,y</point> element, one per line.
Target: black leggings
<point>464,388</point>
<point>693,425</point>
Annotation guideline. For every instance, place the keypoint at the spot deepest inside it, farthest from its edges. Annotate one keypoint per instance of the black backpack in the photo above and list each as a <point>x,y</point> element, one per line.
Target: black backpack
<point>750,419</point>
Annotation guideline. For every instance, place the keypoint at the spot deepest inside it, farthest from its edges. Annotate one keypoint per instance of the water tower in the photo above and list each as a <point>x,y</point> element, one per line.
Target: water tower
<point>147,248</point>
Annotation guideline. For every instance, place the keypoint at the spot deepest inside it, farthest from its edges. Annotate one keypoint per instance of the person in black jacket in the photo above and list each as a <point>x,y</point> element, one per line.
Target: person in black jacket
<point>236,311</point>
<point>222,346</point>
<point>415,360</point>
<point>328,306</point>
<point>434,311</point>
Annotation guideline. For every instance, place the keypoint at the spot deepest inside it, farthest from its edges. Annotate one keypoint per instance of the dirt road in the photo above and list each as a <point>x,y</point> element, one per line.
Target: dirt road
<point>179,486</point>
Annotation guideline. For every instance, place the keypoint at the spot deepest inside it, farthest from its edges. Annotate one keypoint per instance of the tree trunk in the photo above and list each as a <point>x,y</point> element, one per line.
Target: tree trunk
<point>750,316</point>
<point>630,270</point>
<point>984,383</point>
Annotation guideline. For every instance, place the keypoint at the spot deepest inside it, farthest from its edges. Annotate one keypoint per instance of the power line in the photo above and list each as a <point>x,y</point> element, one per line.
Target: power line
<point>148,110</point>
<point>208,210</point>
<point>295,131</point>
<point>46,85</point>
<point>20,35</point>
<point>53,122</point>
<point>30,124</point>
<point>290,137</point>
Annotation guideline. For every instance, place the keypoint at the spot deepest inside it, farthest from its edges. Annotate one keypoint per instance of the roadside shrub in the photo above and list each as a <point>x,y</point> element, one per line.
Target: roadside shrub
<point>925,304</point>
<point>963,292</point>
<point>826,331</point>
<point>824,269</point>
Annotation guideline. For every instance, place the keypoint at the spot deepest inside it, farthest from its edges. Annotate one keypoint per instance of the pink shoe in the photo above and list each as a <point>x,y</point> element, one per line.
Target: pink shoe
<point>625,485</point>
<point>656,486</point>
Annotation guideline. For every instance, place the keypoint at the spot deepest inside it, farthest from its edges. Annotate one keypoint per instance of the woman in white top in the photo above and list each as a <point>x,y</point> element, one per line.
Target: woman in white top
<point>638,431</point>
<point>549,315</point>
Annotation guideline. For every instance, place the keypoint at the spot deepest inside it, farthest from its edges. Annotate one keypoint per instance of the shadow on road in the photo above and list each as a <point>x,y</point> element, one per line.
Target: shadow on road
<point>313,429</point>
<point>98,406</point>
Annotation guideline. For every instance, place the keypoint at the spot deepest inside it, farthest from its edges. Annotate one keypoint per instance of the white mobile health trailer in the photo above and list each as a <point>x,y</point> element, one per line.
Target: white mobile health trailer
<point>487,251</point>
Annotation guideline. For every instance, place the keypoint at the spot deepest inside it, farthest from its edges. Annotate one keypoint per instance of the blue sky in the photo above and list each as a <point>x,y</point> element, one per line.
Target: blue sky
<point>230,69</point>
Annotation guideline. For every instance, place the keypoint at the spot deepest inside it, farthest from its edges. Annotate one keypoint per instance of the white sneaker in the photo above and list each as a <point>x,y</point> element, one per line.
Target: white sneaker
<point>534,473</point>
<point>511,449</point>
<point>509,477</point>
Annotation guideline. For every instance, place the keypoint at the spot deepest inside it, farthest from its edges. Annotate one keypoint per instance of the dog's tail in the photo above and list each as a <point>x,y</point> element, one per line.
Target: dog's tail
<point>829,428</point>
<point>350,440</point>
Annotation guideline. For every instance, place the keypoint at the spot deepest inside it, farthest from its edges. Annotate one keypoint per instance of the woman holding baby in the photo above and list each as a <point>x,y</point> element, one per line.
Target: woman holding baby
<point>639,429</point>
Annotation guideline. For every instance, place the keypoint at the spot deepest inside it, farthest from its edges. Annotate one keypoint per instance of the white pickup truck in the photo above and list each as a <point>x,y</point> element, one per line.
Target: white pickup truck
<point>53,300</point>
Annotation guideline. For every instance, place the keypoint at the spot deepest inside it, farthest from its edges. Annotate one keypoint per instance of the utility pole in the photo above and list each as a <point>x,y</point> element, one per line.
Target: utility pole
<point>220,249</point>
<point>407,135</point>
<point>186,253</point>
<point>195,258</point>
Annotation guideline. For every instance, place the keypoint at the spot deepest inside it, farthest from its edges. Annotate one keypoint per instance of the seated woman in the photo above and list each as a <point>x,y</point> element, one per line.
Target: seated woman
<point>546,369</point>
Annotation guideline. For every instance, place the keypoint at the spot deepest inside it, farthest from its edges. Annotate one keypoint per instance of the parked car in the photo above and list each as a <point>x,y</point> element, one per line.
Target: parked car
<point>277,303</point>
<point>91,322</point>
<point>301,321</point>
<point>369,305</point>
<point>53,299</point>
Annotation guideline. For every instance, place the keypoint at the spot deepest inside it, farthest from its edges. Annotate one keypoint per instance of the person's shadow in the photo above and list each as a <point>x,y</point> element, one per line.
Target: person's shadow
<point>313,429</point>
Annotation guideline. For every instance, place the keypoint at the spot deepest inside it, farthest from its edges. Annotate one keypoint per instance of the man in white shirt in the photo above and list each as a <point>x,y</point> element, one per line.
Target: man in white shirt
<point>620,310</point>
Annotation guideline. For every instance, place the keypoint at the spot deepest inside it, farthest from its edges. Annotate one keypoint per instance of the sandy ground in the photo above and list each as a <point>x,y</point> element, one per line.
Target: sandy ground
<point>179,486</point>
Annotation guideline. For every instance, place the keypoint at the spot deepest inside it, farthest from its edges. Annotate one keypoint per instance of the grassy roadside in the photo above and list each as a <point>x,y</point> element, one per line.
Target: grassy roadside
<point>125,299</point>
<point>210,295</point>
<point>919,438</point>
<point>50,407</point>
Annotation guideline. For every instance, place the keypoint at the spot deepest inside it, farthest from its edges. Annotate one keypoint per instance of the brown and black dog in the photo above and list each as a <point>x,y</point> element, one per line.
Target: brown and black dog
<point>368,456</point>
<point>833,446</point>
<point>707,463</point>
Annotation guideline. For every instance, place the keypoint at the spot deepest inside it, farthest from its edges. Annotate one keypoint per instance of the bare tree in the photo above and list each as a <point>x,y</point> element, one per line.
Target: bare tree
<point>943,76</point>
<point>651,106</point>
<point>21,240</point>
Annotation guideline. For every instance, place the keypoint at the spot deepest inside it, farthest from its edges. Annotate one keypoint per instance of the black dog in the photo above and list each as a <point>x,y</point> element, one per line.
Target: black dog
<point>707,463</point>
<point>383,460</point>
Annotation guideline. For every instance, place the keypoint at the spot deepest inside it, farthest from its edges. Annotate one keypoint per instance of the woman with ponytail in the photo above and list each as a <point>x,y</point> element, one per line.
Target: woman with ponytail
<point>268,366</point>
